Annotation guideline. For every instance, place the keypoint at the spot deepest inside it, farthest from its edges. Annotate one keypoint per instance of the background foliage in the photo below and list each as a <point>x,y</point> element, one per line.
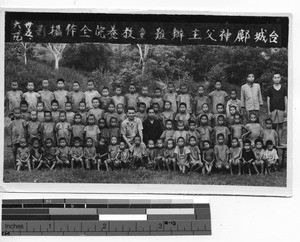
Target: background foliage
<point>112,64</point>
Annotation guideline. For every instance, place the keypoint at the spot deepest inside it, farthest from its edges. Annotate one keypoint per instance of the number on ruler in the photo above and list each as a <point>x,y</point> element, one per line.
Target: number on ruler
<point>48,201</point>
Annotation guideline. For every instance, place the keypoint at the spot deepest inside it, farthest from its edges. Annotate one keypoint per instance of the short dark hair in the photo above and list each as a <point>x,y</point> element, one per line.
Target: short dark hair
<point>220,135</point>
<point>77,139</point>
<point>258,141</point>
<point>182,104</point>
<point>233,90</point>
<point>76,82</point>
<point>180,138</point>
<point>158,89</point>
<point>89,138</point>
<point>269,142</point>
<point>105,88</point>
<point>48,113</point>
<point>192,121</point>
<point>141,103</point>
<point>268,120</point>
<point>90,80</point>
<point>54,101</point>
<point>130,108</point>
<point>62,112</point>
<point>24,103</point>
<point>62,138</point>
<point>150,108</point>
<point>95,98</point>
<point>220,105</point>
<point>247,141</point>
<point>47,139</point>
<point>60,80</point>
<point>206,141</point>
<point>192,137</point>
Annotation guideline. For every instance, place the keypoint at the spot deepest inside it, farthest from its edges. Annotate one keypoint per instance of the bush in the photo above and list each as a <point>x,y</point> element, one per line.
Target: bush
<point>36,72</point>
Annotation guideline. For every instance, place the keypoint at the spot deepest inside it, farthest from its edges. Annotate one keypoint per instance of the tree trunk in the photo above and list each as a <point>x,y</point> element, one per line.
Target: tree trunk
<point>56,63</point>
<point>25,58</point>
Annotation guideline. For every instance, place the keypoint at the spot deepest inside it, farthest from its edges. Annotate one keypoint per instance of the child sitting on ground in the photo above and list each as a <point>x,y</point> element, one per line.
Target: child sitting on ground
<point>49,154</point>
<point>182,153</point>
<point>77,153</point>
<point>248,156</point>
<point>208,156</point>
<point>151,154</point>
<point>89,153</point>
<point>169,156</point>
<point>271,157</point>
<point>195,155</point>
<point>102,153</point>
<point>235,155</point>
<point>36,154</point>
<point>221,153</point>
<point>23,155</point>
<point>260,157</point>
<point>63,153</point>
<point>138,153</point>
<point>123,155</point>
<point>159,154</point>
<point>113,149</point>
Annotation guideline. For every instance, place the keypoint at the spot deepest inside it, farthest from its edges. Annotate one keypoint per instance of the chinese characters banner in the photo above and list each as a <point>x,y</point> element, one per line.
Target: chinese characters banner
<point>155,32</point>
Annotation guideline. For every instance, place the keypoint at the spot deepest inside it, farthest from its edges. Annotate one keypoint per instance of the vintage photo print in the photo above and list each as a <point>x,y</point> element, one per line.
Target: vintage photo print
<point>172,103</point>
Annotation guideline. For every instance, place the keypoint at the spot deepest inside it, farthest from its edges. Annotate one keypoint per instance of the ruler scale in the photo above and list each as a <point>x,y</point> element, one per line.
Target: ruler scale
<point>104,217</point>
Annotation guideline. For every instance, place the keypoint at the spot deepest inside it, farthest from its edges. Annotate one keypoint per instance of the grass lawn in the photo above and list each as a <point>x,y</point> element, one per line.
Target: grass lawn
<point>276,179</point>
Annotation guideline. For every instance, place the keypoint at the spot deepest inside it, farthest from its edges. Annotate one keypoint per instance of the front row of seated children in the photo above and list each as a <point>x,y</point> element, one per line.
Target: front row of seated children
<point>185,157</point>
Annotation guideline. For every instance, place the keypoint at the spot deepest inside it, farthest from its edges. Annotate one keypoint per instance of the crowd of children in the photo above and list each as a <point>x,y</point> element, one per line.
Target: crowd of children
<point>168,131</point>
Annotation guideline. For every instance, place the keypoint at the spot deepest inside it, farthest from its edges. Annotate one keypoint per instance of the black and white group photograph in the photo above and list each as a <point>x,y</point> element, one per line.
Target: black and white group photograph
<point>141,99</point>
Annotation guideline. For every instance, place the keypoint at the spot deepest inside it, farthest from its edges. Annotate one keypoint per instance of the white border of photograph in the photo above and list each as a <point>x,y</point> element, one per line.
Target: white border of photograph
<point>151,188</point>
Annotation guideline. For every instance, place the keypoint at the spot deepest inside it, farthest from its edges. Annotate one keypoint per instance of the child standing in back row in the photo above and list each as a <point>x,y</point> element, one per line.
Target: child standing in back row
<point>31,97</point>
<point>185,97</point>
<point>131,97</point>
<point>46,95</point>
<point>200,100</point>
<point>118,98</point>
<point>90,94</point>
<point>144,97</point>
<point>61,95</point>
<point>13,98</point>
<point>171,96</point>
<point>76,96</point>
<point>218,96</point>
